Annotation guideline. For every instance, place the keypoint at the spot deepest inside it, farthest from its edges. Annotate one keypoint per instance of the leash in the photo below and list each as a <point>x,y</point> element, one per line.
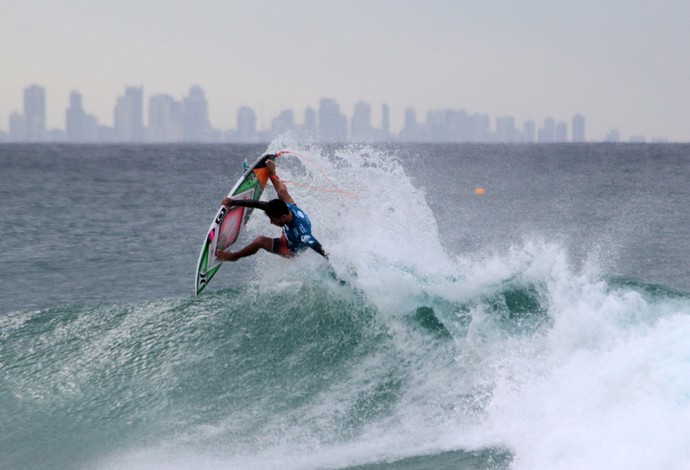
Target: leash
<point>335,188</point>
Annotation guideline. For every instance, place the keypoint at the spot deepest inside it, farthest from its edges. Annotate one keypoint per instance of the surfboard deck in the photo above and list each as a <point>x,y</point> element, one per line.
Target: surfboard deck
<point>228,223</point>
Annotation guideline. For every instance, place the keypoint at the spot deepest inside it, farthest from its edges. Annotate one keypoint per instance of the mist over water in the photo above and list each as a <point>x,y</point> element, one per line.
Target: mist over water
<point>542,325</point>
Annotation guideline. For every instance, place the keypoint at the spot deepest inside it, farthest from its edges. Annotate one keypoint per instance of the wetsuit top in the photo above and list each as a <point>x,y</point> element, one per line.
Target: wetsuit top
<point>298,231</point>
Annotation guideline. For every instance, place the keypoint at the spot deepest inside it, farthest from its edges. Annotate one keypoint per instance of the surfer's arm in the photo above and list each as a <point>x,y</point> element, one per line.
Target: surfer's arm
<point>319,249</point>
<point>278,184</point>
<point>229,202</point>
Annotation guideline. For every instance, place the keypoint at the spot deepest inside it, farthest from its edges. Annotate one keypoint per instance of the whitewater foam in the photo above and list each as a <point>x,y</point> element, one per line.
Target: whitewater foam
<point>589,387</point>
<point>600,388</point>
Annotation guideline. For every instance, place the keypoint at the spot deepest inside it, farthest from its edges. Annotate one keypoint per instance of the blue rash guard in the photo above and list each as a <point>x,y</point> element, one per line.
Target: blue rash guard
<point>298,231</point>
<point>296,234</point>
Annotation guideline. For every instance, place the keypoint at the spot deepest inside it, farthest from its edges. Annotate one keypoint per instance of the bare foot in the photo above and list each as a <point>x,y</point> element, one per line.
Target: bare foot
<point>226,256</point>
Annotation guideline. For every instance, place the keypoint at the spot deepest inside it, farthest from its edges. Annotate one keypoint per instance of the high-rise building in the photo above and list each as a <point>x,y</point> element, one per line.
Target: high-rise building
<point>137,97</point>
<point>412,131</point>
<point>437,124</point>
<point>528,132</point>
<point>410,118</point>
<point>17,127</point>
<point>561,132</point>
<point>332,123</point>
<point>284,122</point>
<point>310,123</point>
<point>129,115</point>
<point>505,129</point>
<point>459,124</point>
<point>165,119</point>
<point>74,117</point>
<point>35,113</point>
<point>385,123</point>
<point>196,124</point>
<point>246,124</point>
<point>123,120</point>
<point>449,125</point>
<point>578,128</point>
<point>79,126</point>
<point>361,130</point>
<point>480,128</point>
<point>547,134</point>
<point>441,125</point>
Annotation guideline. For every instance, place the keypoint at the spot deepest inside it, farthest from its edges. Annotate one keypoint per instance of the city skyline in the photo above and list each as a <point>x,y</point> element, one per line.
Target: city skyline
<point>622,65</point>
<point>166,119</point>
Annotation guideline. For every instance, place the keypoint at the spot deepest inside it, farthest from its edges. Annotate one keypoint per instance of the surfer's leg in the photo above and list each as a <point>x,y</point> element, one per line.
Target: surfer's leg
<point>258,243</point>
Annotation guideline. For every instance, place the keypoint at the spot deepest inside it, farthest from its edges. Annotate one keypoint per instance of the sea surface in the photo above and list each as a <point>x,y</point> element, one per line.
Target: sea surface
<point>543,324</point>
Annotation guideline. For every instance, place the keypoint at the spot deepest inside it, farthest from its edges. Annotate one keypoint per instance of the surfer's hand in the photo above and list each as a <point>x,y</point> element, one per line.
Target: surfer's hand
<point>226,202</point>
<point>271,167</point>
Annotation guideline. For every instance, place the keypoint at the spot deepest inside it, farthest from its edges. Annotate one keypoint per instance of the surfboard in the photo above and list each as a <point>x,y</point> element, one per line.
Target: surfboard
<point>228,223</point>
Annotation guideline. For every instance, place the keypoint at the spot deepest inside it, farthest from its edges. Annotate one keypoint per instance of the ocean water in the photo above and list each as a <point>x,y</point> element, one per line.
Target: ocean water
<point>542,325</point>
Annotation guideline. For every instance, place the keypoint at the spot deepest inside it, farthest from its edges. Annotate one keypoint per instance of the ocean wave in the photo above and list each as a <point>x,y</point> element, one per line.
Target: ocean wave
<point>325,370</point>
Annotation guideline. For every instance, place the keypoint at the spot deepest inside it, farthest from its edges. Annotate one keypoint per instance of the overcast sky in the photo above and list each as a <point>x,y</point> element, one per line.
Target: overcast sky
<point>621,63</point>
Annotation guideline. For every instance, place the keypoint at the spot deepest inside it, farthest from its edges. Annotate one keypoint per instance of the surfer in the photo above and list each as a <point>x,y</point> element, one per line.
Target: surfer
<point>282,212</point>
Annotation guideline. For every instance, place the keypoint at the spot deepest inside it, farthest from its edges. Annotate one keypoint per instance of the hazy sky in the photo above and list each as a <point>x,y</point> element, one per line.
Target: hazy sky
<point>620,63</point>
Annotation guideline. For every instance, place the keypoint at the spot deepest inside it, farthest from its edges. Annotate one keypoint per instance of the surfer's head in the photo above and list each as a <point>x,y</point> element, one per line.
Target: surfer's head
<point>278,212</point>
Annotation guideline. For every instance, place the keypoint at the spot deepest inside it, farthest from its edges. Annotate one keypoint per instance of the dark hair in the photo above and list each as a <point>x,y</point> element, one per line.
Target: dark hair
<point>276,209</point>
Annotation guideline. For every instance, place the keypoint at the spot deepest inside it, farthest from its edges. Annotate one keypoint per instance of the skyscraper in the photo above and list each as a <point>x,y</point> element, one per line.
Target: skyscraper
<point>561,132</point>
<point>505,129</point>
<point>528,132</point>
<point>441,125</point>
<point>410,118</point>
<point>165,119</point>
<point>123,120</point>
<point>17,127</point>
<point>129,115</point>
<point>284,122</point>
<point>578,128</point>
<point>35,113</point>
<point>74,117</point>
<point>385,123</point>
<point>547,134</point>
<point>310,123</point>
<point>246,124</point>
<point>80,127</point>
<point>361,129</point>
<point>480,128</point>
<point>411,131</point>
<point>195,109</point>
<point>332,123</point>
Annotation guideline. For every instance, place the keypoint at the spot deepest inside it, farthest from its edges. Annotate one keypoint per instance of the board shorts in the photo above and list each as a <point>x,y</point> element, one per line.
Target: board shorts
<point>280,247</point>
